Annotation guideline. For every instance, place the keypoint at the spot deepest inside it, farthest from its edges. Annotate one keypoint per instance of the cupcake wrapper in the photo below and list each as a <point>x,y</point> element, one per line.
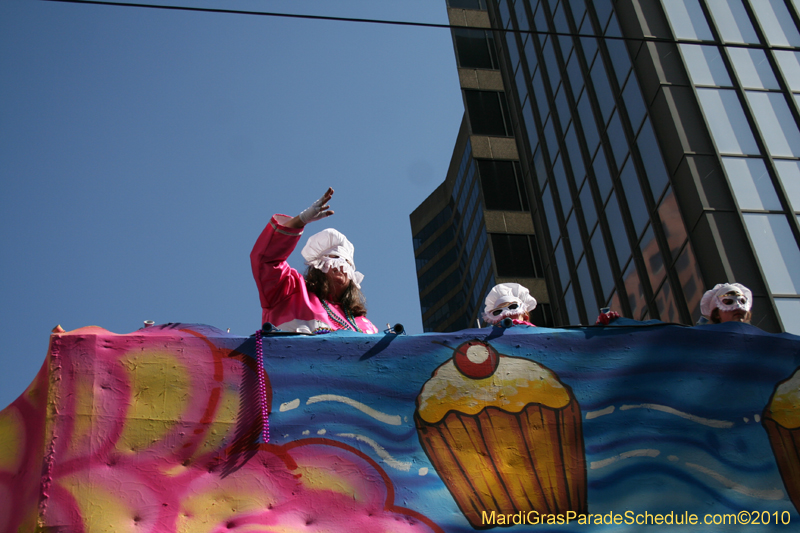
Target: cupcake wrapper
<point>510,462</point>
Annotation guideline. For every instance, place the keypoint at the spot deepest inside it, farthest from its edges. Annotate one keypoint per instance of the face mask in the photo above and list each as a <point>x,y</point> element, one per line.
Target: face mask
<point>731,301</point>
<point>326,262</point>
<point>497,312</point>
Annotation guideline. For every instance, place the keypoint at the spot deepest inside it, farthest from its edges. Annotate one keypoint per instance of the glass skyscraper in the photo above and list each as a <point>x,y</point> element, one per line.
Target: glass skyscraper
<point>659,147</point>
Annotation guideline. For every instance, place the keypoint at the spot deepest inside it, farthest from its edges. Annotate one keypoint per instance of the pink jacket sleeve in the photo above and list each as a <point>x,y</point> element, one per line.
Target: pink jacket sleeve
<point>277,282</point>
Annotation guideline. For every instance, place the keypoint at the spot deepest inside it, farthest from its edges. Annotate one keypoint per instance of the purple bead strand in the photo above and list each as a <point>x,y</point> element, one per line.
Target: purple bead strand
<point>262,388</point>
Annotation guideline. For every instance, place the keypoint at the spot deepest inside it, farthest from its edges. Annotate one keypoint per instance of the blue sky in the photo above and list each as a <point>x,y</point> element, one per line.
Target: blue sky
<point>142,151</point>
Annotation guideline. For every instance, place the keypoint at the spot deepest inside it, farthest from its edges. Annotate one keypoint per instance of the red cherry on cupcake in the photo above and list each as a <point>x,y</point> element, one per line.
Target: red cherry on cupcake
<point>476,359</point>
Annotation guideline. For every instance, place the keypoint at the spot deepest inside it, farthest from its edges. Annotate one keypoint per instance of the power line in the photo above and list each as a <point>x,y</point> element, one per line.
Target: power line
<point>351,19</point>
<point>400,23</point>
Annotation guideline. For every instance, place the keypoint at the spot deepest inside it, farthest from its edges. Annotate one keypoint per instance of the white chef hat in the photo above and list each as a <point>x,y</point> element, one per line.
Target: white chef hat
<point>320,248</point>
<point>503,295</point>
<point>713,298</point>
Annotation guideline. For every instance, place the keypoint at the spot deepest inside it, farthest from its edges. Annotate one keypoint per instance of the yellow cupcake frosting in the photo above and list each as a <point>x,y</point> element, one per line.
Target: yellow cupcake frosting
<point>785,405</point>
<point>517,382</point>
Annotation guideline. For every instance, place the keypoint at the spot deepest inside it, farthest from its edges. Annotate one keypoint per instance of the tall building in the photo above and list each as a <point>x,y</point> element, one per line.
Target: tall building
<point>475,229</point>
<point>659,146</point>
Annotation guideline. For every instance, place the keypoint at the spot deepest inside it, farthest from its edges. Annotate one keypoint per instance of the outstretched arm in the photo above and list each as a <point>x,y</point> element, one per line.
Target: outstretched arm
<point>317,211</point>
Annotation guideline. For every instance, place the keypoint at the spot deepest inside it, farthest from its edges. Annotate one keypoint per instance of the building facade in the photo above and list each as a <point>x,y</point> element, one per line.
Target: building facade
<point>475,230</point>
<point>659,145</point>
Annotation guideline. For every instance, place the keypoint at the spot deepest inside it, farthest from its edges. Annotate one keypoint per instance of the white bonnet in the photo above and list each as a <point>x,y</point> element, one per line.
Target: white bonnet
<point>507,293</point>
<point>710,299</point>
<point>326,243</point>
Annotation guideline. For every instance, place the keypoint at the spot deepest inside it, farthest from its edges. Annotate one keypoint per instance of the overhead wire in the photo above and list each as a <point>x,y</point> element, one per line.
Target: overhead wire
<point>648,39</point>
<point>352,19</point>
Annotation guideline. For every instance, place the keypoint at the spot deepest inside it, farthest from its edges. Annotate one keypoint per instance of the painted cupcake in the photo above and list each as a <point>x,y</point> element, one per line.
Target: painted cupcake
<point>503,433</point>
<point>781,419</point>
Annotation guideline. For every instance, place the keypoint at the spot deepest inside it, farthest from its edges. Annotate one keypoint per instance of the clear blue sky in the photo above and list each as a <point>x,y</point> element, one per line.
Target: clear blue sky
<point>142,151</point>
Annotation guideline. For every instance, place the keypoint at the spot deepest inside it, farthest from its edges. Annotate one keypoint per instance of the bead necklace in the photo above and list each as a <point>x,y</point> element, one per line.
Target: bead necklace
<point>349,321</point>
<point>262,388</point>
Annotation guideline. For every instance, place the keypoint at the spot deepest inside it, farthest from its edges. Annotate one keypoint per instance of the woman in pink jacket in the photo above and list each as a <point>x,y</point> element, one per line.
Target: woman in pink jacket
<point>329,297</point>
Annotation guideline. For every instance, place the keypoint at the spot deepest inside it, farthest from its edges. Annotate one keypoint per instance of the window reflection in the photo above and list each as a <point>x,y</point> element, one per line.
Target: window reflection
<point>633,287</point>
<point>550,214</point>
<point>732,21</point>
<point>651,157</point>
<point>602,89</point>
<point>572,307</point>
<point>687,19</point>
<point>789,63</point>
<point>616,136</point>
<point>753,68</point>
<point>617,229</point>
<point>602,263</point>
<point>751,183</point>
<point>705,65</point>
<point>789,172</point>
<point>575,157</point>
<point>585,279</point>
<point>561,262</point>
<point>603,176</point>
<point>633,193</point>
<point>671,223</point>
<point>691,281</point>
<point>777,251</point>
<point>725,117</point>
<point>587,204</point>
<point>789,313</point>
<point>776,22</point>
<point>665,302</point>
<point>653,262</point>
<point>634,102</point>
<point>775,122</point>
<point>588,123</point>
<point>576,244</point>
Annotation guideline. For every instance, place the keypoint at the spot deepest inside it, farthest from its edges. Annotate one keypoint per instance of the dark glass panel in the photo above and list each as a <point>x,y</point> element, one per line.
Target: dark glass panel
<point>602,9</point>
<point>589,301</point>
<point>512,255</point>
<point>475,48</point>
<point>540,94</point>
<point>616,136</point>
<point>522,17</point>
<point>602,89</point>
<point>588,123</point>
<point>617,229</point>
<point>633,193</point>
<point>561,262</point>
<point>665,302</point>
<point>513,52</point>
<point>499,183</point>
<point>550,137</point>
<point>603,176</point>
<point>560,177</point>
<point>576,244</point>
<point>602,262</point>
<point>552,65</point>
<point>575,157</point>
<point>550,214</point>
<point>574,74</point>
<point>562,106</point>
<point>651,157</point>
<point>587,204</point>
<point>572,307</point>
<point>618,51</point>
<point>672,223</point>
<point>691,281</point>
<point>469,4</point>
<point>653,262</point>
<point>635,292</point>
<point>487,115</point>
<point>634,102</point>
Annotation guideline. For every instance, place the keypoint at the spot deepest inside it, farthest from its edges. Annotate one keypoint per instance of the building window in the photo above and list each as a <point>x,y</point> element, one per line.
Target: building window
<point>488,113</point>
<point>467,4</point>
<point>732,20</point>
<point>514,256</point>
<point>502,186</point>
<point>727,122</point>
<point>475,48</point>
<point>777,251</point>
